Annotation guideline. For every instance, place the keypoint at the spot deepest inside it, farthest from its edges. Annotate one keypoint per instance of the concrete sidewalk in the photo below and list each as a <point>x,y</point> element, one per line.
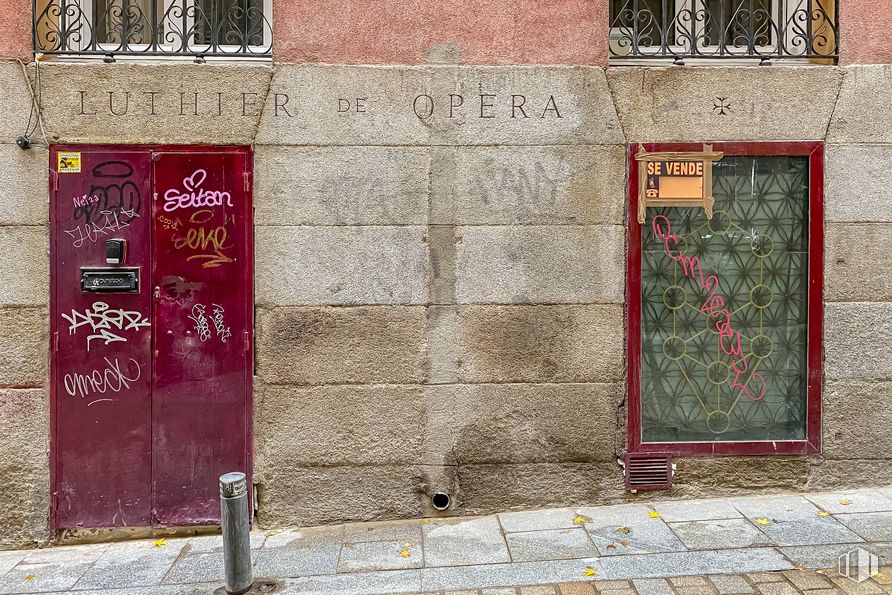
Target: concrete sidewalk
<point>738,545</point>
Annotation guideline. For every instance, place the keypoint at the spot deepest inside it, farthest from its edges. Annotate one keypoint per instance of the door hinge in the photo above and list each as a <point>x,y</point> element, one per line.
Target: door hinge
<point>155,196</point>
<point>56,341</point>
<point>247,344</point>
<point>54,179</point>
<point>247,181</point>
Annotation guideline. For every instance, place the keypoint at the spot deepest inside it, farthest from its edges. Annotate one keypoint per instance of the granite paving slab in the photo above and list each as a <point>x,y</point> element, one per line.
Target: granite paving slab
<point>136,563</point>
<point>388,581</point>
<point>214,543</point>
<point>815,557</point>
<point>809,531</point>
<point>865,501</point>
<point>193,589</point>
<point>8,560</point>
<point>538,520</point>
<point>196,568</point>
<point>630,529</point>
<point>383,531</point>
<point>299,553</point>
<point>694,563</point>
<point>509,575</point>
<point>368,556</point>
<point>778,508</point>
<point>457,542</point>
<point>553,544</point>
<point>52,569</point>
<point>696,510</point>
<point>719,534</point>
<point>872,526</point>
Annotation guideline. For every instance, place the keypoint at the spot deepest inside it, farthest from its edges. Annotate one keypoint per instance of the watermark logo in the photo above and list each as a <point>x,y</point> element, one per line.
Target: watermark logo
<point>859,565</point>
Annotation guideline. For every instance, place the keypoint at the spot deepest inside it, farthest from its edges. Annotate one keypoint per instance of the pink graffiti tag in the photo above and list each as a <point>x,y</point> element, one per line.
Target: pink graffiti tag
<point>194,195</point>
<point>713,305</point>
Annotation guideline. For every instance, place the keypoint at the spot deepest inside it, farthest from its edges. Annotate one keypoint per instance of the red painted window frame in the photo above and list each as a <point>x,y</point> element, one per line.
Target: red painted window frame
<point>812,443</point>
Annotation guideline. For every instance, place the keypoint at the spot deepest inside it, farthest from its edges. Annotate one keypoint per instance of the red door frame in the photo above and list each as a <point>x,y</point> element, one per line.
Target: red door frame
<point>814,150</point>
<point>54,323</point>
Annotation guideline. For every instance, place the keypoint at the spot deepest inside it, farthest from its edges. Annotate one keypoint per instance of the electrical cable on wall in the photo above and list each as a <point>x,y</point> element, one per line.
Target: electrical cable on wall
<point>25,141</point>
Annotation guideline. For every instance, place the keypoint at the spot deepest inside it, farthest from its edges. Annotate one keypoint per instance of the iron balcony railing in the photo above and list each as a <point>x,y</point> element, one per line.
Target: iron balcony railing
<point>201,28</point>
<point>762,29</point>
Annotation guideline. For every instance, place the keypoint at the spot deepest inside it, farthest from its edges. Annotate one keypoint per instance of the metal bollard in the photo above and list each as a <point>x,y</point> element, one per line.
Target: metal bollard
<point>236,533</point>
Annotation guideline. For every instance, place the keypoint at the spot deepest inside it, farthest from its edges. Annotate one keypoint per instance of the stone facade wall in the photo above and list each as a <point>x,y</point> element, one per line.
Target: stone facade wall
<point>440,296</point>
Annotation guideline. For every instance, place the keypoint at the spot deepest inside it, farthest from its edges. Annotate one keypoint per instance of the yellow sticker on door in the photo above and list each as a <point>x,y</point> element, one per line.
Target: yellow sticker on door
<point>69,163</point>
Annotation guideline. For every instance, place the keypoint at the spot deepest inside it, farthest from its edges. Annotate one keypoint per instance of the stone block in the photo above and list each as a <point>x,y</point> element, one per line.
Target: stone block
<point>341,345</point>
<point>551,185</point>
<point>857,183</point>
<point>832,474</point>
<point>24,285</point>
<point>550,264</point>
<point>859,117</point>
<point>707,477</point>
<point>153,102</point>
<point>292,495</point>
<point>15,97</point>
<point>23,186</point>
<point>520,423</point>
<point>857,420</point>
<point>486,489</point>
<point>554,343</point>
<point>24,345</point>
<point>340,425</point>
<point>24,464</point>
<point>440,105</point>
<point>341,265</point>
<point>341,185</point>
<point>856,341</point>
<point>460,542</point>
<point>857,265</point>
<point>724,104</point>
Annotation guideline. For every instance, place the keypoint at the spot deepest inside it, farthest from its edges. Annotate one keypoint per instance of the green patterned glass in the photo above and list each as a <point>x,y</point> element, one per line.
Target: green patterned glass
<point>724,309</point>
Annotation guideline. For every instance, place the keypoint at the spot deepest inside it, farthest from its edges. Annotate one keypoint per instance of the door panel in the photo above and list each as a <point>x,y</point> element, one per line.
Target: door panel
<point>102,368</point>
<point>202,221</point>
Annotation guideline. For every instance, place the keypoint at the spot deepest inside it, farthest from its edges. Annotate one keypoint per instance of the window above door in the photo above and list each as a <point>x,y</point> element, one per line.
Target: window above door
<point>750,31</point>
<point>160,28</point>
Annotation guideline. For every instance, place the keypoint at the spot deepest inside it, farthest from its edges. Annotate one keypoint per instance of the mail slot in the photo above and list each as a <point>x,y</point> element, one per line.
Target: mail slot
<point>110,280</point>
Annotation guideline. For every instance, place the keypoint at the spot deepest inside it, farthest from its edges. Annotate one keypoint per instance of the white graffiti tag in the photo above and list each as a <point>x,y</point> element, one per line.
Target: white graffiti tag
<point>194,195</point>
<point>111,379</point>
<point>219,324</point>
<point>203,325</point>
<point>112,222</point>
<point>201,322</point>
<point>101,319</point>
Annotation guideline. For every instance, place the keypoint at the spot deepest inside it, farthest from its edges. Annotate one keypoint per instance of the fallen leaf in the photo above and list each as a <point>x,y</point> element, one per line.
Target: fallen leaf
<point>272,532</point>
<point>823,513</point>
<point>408,544</point>
<point>654,515</point>
<point>426,522</point>
<point>30,577</point>
<point>611,546</point>
<point>161,542</point>
<point>763,521</point>
<point>844,502</point>
<point>589,571</point>
<point>405,553</point>
<point>622,529</point>
<point>800,568</point>
<point>625,542</point>
<point>581,520</point>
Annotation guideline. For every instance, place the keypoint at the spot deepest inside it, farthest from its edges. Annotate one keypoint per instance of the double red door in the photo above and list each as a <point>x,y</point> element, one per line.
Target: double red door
<point>152,326</point>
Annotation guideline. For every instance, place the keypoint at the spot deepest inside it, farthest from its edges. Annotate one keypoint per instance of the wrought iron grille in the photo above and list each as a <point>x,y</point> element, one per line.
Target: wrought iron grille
<point>153,27</point>
<point>765,29</point>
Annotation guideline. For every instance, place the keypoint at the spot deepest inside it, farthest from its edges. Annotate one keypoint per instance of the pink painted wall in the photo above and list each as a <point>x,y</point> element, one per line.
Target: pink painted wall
<point>864,32</point>
<point>404,31</point>
<point>15,26</point>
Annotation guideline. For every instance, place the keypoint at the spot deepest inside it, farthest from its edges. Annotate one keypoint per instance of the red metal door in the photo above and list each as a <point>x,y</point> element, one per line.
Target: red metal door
<point>151,384</point>
<point>102,368</point>
<point>202,317</point>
